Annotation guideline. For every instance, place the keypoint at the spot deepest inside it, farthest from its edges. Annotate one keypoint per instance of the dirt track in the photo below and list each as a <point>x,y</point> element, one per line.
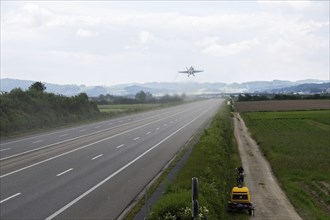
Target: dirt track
<point>268,198</point>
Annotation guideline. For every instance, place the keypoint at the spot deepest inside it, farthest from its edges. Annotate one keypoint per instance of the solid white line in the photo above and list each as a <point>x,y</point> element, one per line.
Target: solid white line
<point>120,146</point>
<point>137,138</point>
<point>64,172</point>
<point>118,171</point>
<point>97,156</point>
<point>17,194</point>
<point>148,132</point>
<point>63,135</point>
<point>5,149</point>
<point>38,141</point>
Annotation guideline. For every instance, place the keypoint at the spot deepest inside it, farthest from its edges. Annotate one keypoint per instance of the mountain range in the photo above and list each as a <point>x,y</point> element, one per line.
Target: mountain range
<point>189,88</point>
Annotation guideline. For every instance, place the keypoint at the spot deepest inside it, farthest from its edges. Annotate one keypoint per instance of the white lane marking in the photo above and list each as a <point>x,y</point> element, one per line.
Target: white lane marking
<point>17,194</point>
<point>118,171</point>
<point>120,146</point>
<point>97,126</point>
<point>82,130</point>
<point>157,128</point>
<point>5,149</point>
<point>64,172</point>
<point>148,132</point>
<point>79,148</point>
<point>97,156</point>
<point>63,135</point>
<point>137,138</point>
<point>38,141</point>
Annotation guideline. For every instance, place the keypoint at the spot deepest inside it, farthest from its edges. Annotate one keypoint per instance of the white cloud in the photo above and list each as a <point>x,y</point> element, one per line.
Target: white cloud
<point>216,49</point>
<point>152,40</point>
<point>145,37</point>
<point>86,33</point>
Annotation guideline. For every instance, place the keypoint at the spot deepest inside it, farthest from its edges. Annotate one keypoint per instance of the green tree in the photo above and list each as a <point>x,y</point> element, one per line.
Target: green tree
<point>37,86</point>
<point>141,96</point>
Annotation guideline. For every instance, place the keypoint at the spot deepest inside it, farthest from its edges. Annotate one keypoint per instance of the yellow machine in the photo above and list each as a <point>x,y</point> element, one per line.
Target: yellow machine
<point>240,199</point>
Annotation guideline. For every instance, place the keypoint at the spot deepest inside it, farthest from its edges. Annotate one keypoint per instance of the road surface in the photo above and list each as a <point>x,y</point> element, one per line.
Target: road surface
<point>96,170</point>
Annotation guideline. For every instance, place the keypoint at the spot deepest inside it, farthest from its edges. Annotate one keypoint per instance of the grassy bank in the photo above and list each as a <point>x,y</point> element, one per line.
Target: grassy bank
<point>212,161</point>
<point>120,109</point>
<point>297,145</point>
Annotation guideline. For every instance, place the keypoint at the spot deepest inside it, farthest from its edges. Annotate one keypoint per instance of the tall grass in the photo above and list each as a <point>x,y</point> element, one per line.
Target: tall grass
<point>212,161</point>
<point>297,144</point>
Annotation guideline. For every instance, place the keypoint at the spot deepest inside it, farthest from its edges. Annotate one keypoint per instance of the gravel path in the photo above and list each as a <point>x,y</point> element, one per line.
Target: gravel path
<point>268,198</point>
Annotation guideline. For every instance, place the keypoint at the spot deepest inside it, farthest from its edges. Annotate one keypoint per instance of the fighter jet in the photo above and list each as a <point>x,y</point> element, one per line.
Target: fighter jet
<point>191,71</point>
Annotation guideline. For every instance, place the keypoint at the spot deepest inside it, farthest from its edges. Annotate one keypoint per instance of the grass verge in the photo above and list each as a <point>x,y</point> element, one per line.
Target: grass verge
<point>212,161</point>
<point>297,145</point>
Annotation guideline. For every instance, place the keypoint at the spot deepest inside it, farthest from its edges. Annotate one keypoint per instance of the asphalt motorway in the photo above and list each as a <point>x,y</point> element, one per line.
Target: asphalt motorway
<point>93,171</point>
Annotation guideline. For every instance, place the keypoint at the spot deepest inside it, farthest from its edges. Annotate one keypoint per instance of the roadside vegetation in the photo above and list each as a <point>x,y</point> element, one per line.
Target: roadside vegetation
<point>270,96</point>
<point>35,109</point>
<point>296,143</point>
<point>212,161</point>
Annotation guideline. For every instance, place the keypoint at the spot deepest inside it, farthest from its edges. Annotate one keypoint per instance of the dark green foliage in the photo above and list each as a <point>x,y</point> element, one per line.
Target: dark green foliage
<point>38,87</point>
<point>22,111</point>
<point>212,161</point>
<point>140,98</point>
<point>268,97</point>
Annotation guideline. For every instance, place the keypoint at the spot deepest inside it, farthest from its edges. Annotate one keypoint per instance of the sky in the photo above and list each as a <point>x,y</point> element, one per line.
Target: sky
<point>122,42</point>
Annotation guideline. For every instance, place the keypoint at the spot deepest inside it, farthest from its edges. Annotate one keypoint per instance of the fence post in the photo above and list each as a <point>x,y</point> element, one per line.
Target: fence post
<point>194,197</point>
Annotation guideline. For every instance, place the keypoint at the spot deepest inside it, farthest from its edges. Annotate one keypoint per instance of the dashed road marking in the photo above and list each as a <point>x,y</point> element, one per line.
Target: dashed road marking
<point>38,141</point>
<point>64,172</point>
<point>13,196</point>
<point>97,156</point>
<point>120,146</point>
<point>137,138</point>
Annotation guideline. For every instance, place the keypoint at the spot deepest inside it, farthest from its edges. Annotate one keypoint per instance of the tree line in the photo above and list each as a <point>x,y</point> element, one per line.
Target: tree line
<point>34,108</point>
<point>268,97</point>
<point>141,97</point>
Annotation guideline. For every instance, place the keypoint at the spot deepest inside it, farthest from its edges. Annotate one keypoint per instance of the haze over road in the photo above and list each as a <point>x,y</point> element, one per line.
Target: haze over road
<point>96,170</point>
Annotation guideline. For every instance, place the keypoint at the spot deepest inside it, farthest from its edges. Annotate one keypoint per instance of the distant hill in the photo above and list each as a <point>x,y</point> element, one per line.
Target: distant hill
<point>307,88</point>
<point>162,88</point>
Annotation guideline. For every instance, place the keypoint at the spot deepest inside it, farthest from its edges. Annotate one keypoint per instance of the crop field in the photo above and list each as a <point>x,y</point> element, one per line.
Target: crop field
<point>283,105</point>
<point>297,145</point>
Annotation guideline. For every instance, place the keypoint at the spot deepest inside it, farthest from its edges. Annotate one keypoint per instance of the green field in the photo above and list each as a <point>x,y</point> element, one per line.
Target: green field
<point>126,108</point>
<point>297,145</point>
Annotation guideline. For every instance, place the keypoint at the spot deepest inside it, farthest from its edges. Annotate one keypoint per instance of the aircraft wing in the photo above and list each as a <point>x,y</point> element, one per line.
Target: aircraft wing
<point>183,71</point>
<point>197,71</point>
